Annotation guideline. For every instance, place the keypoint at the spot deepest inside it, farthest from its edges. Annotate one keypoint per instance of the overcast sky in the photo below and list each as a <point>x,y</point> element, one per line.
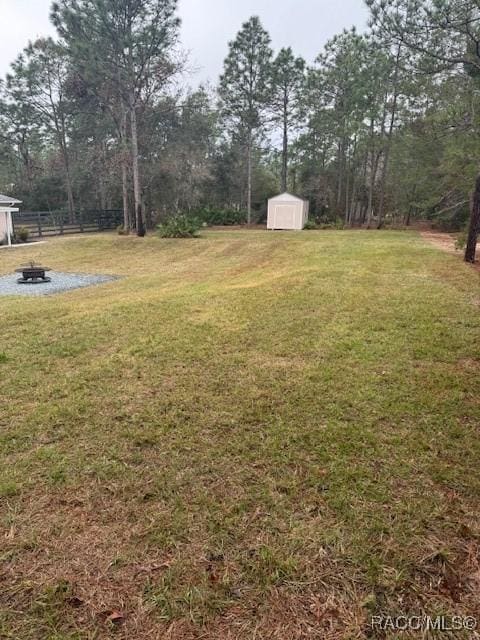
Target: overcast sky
<point>208,25</point>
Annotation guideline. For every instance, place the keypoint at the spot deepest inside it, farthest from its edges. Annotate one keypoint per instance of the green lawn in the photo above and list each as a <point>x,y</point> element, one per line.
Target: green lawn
<point>251,435</point>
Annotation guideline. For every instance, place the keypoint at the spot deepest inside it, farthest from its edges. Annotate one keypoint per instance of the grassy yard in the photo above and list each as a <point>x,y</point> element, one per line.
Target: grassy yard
<point>251,435</point>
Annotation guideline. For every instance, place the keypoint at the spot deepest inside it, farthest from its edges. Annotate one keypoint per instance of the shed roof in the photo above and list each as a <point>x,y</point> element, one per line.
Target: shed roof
<point>6,200</point>
<point>287,196</point>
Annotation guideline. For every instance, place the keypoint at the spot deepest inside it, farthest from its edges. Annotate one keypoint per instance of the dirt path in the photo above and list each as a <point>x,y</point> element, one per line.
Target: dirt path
<point>446,242</point>
<point>443,241</point>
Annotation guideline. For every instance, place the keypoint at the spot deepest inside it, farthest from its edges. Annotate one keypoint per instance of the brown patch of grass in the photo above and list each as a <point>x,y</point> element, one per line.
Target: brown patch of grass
<point>444,241</point>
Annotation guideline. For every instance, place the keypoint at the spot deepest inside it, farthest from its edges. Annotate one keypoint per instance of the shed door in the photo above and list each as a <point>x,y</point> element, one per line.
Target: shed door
<point>284,216</point>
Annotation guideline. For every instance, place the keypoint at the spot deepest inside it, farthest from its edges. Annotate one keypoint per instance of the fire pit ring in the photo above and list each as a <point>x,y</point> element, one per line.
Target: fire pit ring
<point>33,274</point>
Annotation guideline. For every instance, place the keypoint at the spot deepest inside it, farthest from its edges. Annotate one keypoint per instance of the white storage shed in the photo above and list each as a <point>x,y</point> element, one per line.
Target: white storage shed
<point>287,211</point>
<point>7,207</point>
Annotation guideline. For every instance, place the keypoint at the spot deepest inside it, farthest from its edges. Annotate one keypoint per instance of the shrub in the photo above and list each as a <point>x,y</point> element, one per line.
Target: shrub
<point>23,234</point>
<point>121,230</point>
<point>221,217</point>
<point>179,227</point>
<point>310,225</point>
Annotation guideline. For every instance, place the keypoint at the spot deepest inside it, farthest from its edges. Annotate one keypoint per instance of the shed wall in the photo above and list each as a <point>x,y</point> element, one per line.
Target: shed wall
<point>287,214</point>
<point>3,225</point>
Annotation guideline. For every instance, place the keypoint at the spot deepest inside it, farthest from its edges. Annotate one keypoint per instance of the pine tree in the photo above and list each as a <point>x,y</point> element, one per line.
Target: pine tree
<point>338,94</point>
<point>288,84</point>
<point>126,47</point>
<point>244,89</point>
<point>38,81</point>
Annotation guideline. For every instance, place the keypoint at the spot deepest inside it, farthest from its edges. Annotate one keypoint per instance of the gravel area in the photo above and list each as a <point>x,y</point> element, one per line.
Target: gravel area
<point>60,283</point>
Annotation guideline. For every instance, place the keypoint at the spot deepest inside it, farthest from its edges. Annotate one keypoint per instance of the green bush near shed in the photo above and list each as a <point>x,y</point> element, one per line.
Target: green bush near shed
<point>221,217</point>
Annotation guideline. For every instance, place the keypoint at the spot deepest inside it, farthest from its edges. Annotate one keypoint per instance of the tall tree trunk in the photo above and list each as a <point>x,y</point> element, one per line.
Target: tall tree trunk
<point>137,188</point>
<point>474,226</point>
<point>372,174</point>
<point>102,182</point>
<point>373,179</point>
<point>363,213</point>
<point>406,221</point>
<point>353,202</point>
<point>410,207</point>
<point>68,178</point>
<point>127,221</point>
<point>388,145</point>
<point>71,202</point>
<point>347,187</point>
<point>24,152</point>
<point>60,130</point>
<point>341,160</point>
<point>285,144</point>
<point>360,178</point>
<point>351,178</point>
<point>62,139</point>
<point>370,197</point>
<point>375,159</point>
<point>249,179</point>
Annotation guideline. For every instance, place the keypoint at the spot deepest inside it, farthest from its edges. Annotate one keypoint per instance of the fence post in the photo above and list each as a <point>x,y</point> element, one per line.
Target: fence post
<point>80,217</point>
<point>39,224</point>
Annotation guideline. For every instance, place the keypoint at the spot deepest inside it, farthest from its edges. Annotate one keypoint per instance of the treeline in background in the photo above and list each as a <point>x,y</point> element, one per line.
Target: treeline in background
<point>382,128</point>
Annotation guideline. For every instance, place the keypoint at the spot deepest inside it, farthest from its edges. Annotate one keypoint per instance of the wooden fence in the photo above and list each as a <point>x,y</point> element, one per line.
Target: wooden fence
<point>57,223</point>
